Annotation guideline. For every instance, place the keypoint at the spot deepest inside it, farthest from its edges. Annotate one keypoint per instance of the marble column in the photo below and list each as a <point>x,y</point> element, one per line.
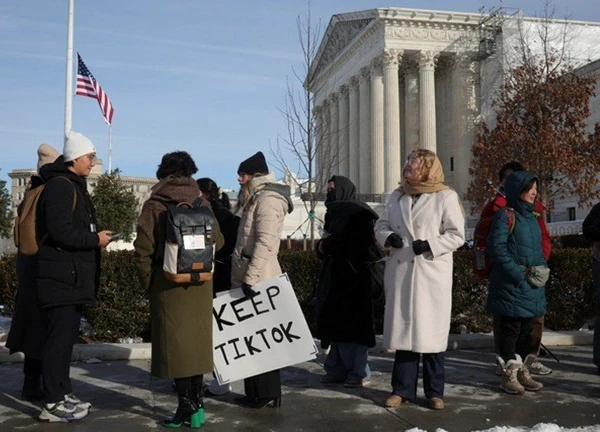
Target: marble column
<point>344,166</point>
<point>353,130</point>
<point>377,124</point>
<point>427,60</point>
<point>318,150</point>
<point>465,108</point>
<point>334,142</point>
<point>392,120</point>
<point>411,107</point>
<point>364,157</point>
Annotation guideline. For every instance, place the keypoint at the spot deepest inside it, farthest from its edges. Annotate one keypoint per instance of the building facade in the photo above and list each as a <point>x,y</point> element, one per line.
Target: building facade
<point>386,81</point>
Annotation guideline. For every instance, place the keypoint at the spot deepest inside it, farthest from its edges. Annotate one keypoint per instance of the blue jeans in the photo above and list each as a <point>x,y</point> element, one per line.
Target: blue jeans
<point>347,361</point>
<point>406,374</point>
<point>596,281</point>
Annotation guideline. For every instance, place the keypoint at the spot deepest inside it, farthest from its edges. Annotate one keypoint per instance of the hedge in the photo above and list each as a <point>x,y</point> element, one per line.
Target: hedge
<point>122,307</point>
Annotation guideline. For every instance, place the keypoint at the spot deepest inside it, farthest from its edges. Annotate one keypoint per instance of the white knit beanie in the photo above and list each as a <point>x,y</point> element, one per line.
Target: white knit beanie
<point>76,146</point>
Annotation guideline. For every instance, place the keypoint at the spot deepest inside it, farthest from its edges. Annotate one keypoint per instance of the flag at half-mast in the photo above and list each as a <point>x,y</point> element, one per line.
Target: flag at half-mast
<point>88,86</point>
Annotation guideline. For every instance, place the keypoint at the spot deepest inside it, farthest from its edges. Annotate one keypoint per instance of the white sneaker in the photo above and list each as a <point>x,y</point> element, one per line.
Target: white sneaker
<point>537,368</point>
<point>63,412</point>
<point>72,399</point>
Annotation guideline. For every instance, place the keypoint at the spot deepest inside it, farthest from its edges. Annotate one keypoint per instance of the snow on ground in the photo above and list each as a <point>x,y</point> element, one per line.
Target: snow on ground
<point>540,427</point>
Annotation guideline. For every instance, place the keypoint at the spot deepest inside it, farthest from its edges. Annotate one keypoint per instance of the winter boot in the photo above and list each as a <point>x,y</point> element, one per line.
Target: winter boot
<point>186,411</point>
<point>199,418</point>
<point>525,378</point>
<point>509,381</point>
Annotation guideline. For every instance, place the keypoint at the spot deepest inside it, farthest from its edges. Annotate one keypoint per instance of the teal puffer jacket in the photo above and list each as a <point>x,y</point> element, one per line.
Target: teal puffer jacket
<point>510,294</point>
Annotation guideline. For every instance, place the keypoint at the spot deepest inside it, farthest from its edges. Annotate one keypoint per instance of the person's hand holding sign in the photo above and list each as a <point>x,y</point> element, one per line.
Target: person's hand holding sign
<point>248,291</point>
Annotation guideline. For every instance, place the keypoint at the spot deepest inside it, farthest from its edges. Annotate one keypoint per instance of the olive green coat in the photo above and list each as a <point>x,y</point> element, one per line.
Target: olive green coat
<point>181,315</point>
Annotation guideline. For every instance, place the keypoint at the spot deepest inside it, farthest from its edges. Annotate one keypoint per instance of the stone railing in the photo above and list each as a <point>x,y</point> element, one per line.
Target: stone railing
<point>555,229</point>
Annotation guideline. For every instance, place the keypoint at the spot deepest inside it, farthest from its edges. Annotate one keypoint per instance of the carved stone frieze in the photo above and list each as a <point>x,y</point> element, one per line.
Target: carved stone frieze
<point>430,34</point>
<point>340,37</point>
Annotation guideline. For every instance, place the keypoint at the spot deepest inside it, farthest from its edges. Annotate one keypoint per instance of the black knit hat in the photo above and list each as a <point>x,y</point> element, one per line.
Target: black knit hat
<point>254,164</point>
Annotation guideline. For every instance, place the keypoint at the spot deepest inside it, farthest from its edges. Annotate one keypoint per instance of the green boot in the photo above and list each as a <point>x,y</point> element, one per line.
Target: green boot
<point>186,410</point>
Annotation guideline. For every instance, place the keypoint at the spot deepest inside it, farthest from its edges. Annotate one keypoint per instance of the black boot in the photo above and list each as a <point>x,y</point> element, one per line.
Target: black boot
<point>186,409</point>
<point>32,389</point>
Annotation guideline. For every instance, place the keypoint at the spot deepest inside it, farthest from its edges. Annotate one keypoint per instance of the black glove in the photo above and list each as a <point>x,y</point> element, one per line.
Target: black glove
<point>248,291</point>
<point>420,246</point>
<point>394,240</point>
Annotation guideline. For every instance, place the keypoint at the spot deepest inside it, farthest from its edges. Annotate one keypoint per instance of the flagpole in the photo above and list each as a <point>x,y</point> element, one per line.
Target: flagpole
<point>69,72</point>
<point>109,148</point>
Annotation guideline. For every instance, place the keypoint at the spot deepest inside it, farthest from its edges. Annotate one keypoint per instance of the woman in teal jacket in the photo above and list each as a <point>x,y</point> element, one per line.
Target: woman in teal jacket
<point>515,245</point>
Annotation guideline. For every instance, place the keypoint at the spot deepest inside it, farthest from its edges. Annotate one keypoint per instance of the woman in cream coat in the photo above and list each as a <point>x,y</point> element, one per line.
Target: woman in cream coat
<point>422,224</point>
<point>263,205</point>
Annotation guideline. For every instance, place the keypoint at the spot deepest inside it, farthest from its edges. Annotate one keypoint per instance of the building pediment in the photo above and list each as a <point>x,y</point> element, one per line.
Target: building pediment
<point>341,31</point>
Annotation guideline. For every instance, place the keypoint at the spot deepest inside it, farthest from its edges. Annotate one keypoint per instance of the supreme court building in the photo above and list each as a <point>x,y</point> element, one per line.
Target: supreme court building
<point>386,81</point>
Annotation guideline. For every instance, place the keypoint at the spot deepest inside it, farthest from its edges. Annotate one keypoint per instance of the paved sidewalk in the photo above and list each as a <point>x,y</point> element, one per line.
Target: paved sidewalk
<point>127,398</point>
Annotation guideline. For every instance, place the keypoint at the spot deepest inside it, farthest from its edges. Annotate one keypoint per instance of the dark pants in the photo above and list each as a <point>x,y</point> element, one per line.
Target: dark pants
<point>32,368</point>
<point>406,374</point>
<point>537,330</point>
<point>263,386</point>
<point>61,327</point>
<point>596,281</point>
<point>514,337</point>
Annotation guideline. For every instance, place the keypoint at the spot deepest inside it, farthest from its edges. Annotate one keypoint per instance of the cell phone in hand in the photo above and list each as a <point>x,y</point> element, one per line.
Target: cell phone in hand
<point>117,236</point>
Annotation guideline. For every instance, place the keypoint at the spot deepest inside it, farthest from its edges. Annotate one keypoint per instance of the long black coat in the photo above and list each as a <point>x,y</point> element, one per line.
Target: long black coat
<point>345,291</point>
<point>26,330</point>
<point>228,224</point>
<point>68,262</point>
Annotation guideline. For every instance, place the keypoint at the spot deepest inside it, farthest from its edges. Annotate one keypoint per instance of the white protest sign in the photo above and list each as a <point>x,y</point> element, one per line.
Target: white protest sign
<point>253,336</point>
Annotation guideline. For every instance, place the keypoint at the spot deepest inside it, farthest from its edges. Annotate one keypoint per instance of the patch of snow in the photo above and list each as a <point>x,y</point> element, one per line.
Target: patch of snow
<point>540,427</point>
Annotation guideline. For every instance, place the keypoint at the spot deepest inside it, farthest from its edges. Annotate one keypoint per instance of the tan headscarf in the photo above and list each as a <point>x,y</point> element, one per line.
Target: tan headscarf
<point>433,181</point>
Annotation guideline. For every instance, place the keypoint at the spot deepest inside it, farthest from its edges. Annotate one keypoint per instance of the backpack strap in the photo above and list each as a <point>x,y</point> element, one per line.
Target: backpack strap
<point>510,214</point>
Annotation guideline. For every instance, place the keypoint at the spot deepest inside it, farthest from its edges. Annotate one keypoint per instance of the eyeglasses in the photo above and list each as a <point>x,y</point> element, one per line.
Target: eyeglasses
<point>91,157</point>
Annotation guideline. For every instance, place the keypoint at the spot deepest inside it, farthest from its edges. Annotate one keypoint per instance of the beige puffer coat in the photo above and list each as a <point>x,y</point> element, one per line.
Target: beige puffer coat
<point>259,235</point>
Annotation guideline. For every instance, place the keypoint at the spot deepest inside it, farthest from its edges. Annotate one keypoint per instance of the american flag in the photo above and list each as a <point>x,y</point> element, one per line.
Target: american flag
<point>88,86</point>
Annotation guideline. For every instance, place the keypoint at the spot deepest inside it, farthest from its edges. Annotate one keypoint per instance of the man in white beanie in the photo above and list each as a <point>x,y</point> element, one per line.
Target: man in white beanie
<point>68,270</point>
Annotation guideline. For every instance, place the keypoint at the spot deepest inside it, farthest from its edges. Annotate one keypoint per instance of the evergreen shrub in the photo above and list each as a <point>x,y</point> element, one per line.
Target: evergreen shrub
<point>122,309</point>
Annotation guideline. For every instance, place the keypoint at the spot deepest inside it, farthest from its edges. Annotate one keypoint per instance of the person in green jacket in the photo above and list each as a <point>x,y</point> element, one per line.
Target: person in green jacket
<point>515,246</point>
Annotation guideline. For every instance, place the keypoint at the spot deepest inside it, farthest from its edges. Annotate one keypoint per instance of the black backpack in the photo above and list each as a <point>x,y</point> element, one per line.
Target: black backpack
<point>189,243</point>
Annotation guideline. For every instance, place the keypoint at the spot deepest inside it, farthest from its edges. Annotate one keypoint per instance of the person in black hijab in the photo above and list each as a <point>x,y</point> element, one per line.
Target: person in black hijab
<point>344,303</point>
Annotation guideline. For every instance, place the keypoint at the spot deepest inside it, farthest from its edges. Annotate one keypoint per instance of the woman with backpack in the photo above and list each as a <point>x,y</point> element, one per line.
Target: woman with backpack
<point>517,280</point>
<point>422,225</point>
<point>181,314</point>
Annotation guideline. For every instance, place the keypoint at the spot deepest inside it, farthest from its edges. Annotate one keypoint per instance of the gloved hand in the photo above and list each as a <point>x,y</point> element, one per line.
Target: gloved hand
<point>394,240</point>
<point>420,246</point>
<point>248,291</point>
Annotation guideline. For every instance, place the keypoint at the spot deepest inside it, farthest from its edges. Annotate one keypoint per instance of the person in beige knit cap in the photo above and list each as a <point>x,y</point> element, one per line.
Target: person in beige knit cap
<point>26,332</point>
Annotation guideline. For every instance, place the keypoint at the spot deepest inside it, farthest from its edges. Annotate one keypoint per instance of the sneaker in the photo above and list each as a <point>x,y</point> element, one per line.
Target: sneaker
<point>62,412</point>
<point>537,368</point>
<point>72,399</point>
<point>328,379</point>
<point>357,383</point>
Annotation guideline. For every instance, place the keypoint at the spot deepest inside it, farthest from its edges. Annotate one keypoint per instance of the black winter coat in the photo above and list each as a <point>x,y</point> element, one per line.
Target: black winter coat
<point>26,330</point>
<point>345,291</point>
<point>68,264</point>
<point>228,224</point>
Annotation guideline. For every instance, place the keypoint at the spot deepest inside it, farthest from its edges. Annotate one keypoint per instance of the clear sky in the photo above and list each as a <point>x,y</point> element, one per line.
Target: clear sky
<point>205,76</point>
